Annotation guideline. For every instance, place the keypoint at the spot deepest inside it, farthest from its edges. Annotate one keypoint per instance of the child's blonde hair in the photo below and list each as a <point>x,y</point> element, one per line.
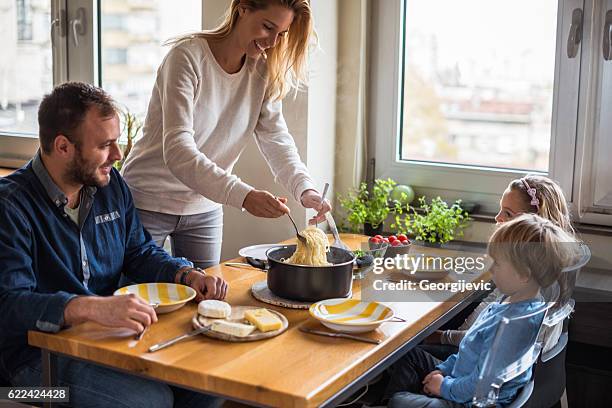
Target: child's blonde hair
<point>286,62</point>
<point>536,248</point>
<point>551,202</point>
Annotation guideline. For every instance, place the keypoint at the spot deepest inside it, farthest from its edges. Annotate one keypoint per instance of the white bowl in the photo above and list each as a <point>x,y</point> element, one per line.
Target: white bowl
<point>168,296</point>
<point>349,315</point>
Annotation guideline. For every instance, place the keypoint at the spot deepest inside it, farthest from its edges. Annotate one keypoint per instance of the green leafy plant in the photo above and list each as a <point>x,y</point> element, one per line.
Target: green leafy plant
<point>435,222</point>
<point>370,207</point>
<point>131,127</point>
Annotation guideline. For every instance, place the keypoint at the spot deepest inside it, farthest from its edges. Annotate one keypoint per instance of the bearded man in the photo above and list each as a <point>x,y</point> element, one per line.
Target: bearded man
<point>68,231</point>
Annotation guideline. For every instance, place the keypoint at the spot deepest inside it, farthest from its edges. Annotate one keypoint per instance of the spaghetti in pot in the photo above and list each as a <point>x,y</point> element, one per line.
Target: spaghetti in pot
<point>314,252</point>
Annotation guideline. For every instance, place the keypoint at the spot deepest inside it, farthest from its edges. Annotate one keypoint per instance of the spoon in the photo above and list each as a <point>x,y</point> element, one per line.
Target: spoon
<point>297,232</point>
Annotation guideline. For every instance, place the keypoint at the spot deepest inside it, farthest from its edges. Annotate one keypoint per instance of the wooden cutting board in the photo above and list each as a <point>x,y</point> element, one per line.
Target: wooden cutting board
<point>237,316</point>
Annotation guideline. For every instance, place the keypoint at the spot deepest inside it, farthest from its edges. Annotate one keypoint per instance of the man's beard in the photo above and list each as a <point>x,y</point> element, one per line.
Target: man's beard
<point>80,171</point>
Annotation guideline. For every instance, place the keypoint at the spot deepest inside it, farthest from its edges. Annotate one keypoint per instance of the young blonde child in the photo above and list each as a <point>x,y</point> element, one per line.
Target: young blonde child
<point>531,194</point>
<point>535,195</point>
<point>529,253</point>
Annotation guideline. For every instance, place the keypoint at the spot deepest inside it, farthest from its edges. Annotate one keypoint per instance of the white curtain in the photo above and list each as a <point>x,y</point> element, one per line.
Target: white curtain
<point>351,109</point>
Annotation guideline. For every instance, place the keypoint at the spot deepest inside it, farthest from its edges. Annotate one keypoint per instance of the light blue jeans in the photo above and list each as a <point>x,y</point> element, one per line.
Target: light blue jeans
<point>93,386</point>
<point>196,237</point>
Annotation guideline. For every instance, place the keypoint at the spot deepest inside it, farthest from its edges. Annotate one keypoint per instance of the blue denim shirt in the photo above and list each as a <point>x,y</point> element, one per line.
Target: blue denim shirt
<point>461,370</point>
<point>46,259</point>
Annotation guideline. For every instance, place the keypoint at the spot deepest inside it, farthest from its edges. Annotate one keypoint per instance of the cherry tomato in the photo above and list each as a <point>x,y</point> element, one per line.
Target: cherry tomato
<point>402,237</point>
<point>392,238</point>
<point>375,240</point>
<point>396,243</point>
<point>378,236</point>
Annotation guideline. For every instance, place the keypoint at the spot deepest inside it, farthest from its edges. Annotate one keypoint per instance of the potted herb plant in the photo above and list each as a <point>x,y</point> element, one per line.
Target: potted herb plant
<point>434,223</point>
<point>131,127</point>
<point>368,209</point>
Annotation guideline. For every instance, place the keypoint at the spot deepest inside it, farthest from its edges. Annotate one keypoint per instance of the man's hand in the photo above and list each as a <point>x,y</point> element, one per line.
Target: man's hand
<point>432,383</point>
<point>264,204</point>
<point>312,199</point>
<point>127,311</point>
<point>207,286</point>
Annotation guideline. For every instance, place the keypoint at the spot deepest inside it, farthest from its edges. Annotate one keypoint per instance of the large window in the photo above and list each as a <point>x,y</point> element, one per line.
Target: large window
<point>466,96</point>
<point>26,68</point>
<point>132,37</point>
<point>477,90</point>
<point>116,44</point>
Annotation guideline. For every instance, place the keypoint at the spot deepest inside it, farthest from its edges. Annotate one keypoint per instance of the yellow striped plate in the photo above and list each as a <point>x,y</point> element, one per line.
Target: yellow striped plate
<point>349,315</point>
<point>170,296</point>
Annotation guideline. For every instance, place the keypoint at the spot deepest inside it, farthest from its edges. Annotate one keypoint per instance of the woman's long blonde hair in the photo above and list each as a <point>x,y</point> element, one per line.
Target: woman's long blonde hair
<point>286,61</point>
<point>552,204</point>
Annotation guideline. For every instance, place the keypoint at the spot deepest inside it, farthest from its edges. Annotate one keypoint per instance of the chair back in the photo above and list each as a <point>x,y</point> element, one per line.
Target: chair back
<point>519,340</point>
<point>515,348</point>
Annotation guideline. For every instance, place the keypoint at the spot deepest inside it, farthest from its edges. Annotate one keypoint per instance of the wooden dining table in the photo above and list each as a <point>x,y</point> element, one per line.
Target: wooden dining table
<point>294,369</point>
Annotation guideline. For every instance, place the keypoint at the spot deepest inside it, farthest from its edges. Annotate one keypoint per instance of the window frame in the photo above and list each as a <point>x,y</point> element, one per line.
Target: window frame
<point>17,149</point>
<point>71,62</point>
<point>590,126</point>
<point>454,181</point>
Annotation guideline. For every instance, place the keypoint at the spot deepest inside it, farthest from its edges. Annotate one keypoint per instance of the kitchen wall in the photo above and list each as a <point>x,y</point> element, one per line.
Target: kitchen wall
<point>310,118</point>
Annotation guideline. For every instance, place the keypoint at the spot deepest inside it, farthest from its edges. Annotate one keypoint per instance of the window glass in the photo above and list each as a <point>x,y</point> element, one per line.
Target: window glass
<point>26,65</point>
<point>132,37</point>
<point>478,82</point>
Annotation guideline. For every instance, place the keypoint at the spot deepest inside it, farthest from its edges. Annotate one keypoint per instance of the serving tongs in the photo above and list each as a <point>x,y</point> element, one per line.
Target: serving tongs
<point>334,230</point>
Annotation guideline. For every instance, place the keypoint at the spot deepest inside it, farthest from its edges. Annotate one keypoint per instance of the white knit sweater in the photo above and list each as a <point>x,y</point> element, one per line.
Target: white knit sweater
<point>198,123</point>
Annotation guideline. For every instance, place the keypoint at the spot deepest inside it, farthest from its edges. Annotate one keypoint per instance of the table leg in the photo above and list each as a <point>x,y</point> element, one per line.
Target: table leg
<point>49,371</point>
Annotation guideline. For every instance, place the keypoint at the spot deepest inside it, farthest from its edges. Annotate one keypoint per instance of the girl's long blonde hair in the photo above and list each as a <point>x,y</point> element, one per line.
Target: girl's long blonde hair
<point>552,204</point>
<point>537,248</point>
<point>286,61</point>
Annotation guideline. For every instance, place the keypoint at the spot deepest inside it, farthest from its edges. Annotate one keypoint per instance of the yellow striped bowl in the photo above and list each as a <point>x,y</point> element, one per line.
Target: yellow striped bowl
<point>349,315</point>
<point>170,296</point>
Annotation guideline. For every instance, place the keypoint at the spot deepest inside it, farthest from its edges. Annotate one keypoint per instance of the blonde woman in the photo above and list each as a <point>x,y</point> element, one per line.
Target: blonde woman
<point>531,194</point>
<point>213,92</point>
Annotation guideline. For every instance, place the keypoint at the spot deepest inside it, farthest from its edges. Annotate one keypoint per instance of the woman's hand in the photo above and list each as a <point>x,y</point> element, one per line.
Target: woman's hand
<point>263,204</point>
<point>312,199</point>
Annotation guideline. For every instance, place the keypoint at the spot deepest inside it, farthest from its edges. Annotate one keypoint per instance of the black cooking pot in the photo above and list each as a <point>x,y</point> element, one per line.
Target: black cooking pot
<point>310,283</point>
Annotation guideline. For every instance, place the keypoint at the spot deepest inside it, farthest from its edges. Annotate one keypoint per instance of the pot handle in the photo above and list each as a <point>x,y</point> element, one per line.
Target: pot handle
<point>257,263</point>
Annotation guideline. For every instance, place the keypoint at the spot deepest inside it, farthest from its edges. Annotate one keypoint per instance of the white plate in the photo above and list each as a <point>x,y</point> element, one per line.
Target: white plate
<point>256,251</point>
<point>350,315</point>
